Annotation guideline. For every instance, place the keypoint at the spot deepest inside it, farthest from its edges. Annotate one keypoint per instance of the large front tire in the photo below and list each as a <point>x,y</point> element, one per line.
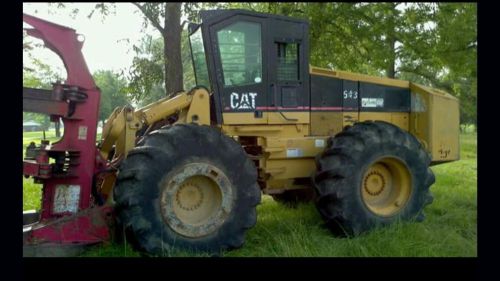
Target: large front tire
<point>187,187</point>
<point>371,174</point>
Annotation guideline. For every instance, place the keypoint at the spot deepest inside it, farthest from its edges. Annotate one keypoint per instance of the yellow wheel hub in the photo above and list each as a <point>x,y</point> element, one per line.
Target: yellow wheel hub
<point>189,197</point>
<point>374,183</point>
<point>386,186</point>
<point>196,199</point>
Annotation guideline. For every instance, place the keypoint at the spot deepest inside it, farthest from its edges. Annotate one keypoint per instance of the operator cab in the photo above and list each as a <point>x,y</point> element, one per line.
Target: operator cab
<point>253,63</point>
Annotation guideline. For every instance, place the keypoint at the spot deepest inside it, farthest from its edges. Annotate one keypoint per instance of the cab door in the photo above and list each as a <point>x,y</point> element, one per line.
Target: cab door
<point>241,75</point>
<point>287,47</point>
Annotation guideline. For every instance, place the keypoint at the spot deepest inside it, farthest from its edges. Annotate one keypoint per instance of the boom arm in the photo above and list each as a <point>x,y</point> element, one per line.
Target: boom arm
<point>121,127</point>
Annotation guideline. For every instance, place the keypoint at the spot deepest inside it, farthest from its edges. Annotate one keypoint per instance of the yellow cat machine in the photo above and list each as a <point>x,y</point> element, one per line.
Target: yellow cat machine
<point>188,172</point>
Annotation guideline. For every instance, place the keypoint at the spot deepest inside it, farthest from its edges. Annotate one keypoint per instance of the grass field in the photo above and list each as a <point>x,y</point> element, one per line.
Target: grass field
<point>450,228</point>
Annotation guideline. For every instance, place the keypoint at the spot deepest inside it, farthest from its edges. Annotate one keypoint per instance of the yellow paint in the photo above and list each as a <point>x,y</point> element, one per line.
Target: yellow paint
<point>119,130</point>
<point>386,186</point>
<point>326,123</point>
<point>294,117</point>
<point>290,168</point>
<point>288,147</point>
<point>106,187</point>
<point>297,130</point>
<point>164,108</point>
<point>113,126</point>
<point>278,185</point>
<point>349,118</point>
<point>288,158</point>
<point>284,148</point>
<point>199,109</point>
<point>359,77</point>
<point>400,119</point>
<point>435,121</point>
<point>244,118</point>
<point>197,199</point>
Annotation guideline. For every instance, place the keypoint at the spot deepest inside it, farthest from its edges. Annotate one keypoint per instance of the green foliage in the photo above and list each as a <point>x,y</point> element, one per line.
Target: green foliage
<point>164,17</point>
<point>147,68</point>
<point>39,77</point>
<point>434,44</point>
<point>444,54</point>
<point>458,54</point>
<point>146,76</point>
<point>112,92</point>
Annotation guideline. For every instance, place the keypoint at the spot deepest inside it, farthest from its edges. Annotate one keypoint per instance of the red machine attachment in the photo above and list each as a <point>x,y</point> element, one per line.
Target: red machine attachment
<point>70,214</point>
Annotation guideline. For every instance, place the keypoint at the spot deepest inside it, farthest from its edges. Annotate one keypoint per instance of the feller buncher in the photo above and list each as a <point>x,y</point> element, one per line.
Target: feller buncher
<point>188,172</point>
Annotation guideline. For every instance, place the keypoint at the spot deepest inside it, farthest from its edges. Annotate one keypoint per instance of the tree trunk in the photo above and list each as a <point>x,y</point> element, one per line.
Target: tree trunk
<point>391,41</point>
<point>172,49</point>
<point>391,64</point>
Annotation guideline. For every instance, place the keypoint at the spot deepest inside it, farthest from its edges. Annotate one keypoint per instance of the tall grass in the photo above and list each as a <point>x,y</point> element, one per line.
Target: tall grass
<point>450,228</point>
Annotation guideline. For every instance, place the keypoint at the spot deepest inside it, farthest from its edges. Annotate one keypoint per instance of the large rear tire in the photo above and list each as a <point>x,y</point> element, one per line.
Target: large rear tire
<point>187,187</point>
<point>372,174</point>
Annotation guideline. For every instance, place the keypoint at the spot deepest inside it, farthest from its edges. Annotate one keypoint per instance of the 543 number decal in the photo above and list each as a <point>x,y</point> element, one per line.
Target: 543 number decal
<point>350,94</point>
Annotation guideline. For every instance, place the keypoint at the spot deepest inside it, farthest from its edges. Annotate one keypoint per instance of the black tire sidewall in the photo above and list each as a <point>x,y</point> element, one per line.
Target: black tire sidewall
<point>199,144</point>
<point>341,168</point>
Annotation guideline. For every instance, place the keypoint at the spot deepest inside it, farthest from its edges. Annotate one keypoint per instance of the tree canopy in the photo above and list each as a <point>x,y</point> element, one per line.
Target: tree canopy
<point>112,88</point>
<point>434,44</point>
<point>430,43</point>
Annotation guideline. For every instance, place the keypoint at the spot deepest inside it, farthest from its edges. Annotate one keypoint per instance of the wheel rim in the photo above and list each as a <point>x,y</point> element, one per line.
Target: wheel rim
<point>386,186</point>
<point>196,199</point>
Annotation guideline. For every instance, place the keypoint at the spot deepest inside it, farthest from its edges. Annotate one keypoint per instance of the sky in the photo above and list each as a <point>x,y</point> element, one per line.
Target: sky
<point>104,47</point>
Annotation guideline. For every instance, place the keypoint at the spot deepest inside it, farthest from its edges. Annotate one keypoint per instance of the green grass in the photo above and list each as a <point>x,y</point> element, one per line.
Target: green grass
<point>32,193</point>
<point>450,228</point>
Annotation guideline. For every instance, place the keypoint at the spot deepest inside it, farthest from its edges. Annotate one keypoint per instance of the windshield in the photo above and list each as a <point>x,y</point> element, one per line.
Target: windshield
<point>199,59</point>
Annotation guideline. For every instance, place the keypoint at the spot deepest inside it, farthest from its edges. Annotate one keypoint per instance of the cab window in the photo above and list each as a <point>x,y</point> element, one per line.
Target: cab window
<point>241,53</point>
<point>199,59</point>
<point>288,61</point>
